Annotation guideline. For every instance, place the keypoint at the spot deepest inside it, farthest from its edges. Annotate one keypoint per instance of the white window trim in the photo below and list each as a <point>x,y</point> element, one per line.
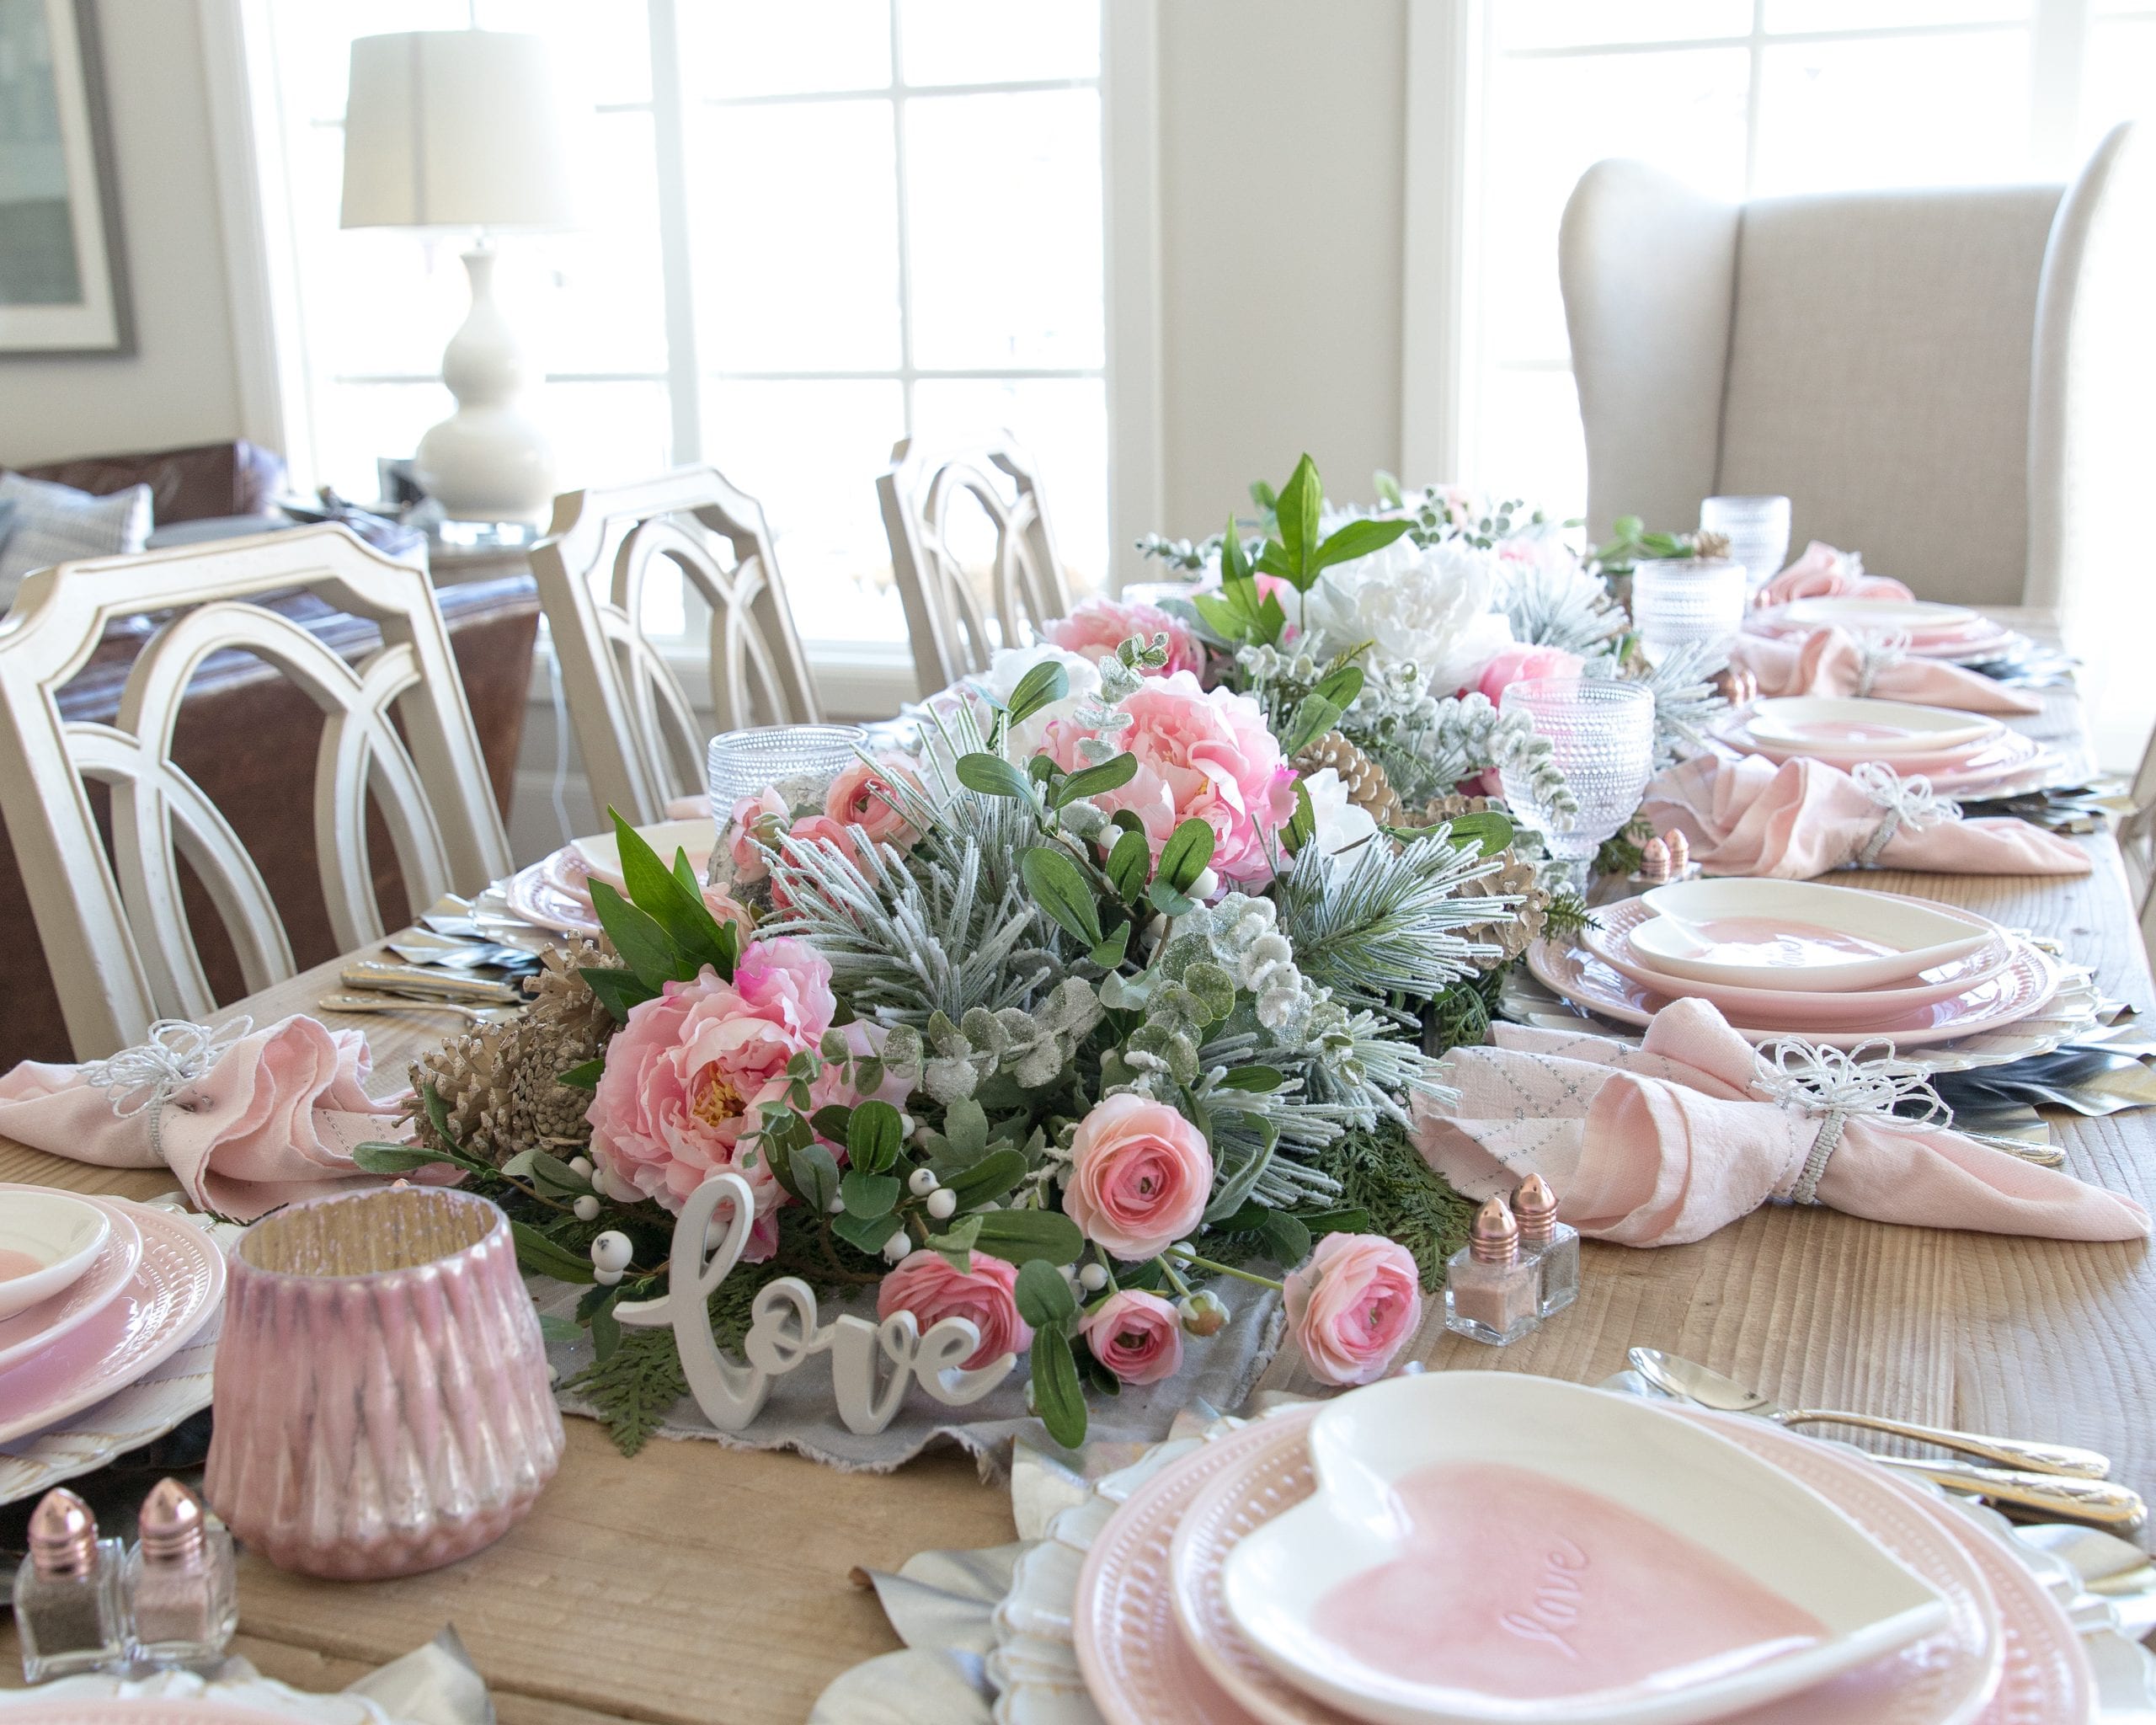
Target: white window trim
<point>262,288</point>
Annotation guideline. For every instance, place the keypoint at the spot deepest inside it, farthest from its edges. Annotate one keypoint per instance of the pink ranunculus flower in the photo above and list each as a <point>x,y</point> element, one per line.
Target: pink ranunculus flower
<point>927,1285</point>
<point>863,796</point>
<point>756,821</point>
<point>1206,756</point>
<point>1522,664</point>
<point>687,1077</point>
<point>1140,1174</point>
<point>1096,627</point>
<point>726,908</point>
<point>1352,1305</point>
<point>1135,1335</point>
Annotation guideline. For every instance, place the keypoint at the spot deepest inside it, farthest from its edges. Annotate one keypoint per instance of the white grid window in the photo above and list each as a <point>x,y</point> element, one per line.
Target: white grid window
<point>1745,98</point>
<point>819,226</point>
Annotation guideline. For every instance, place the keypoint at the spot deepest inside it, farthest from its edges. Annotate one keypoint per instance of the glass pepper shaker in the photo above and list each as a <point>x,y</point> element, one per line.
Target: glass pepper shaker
<point>70,1616</point>
<point>1490,1292</point>
<point>1552,1246</point>
<point>179,1581</point>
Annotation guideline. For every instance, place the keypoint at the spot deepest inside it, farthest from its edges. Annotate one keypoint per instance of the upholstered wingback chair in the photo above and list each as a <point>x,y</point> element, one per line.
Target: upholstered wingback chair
<point>1959,383</point>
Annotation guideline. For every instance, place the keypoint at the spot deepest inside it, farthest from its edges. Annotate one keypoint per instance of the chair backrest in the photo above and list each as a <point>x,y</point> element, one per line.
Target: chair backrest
<point>955,625</point>
<point>115,931</point>
<point>636,727</point>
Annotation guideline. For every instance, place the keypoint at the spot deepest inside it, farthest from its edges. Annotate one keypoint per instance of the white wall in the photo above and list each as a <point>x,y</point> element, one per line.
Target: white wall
<point>1282,135</point>
<point>179,387</point>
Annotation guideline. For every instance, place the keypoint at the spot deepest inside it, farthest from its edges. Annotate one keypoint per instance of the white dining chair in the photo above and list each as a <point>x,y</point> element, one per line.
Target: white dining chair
<point>636,727</point>
<point>396,728</point>
<point>957,614</point>
<point>1954,382</point>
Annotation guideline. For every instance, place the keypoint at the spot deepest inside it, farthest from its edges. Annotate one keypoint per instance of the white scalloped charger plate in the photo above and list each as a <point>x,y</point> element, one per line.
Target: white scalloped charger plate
<point>1862,1603</point>
<point>534,898</point>
<point>1943,1679</point>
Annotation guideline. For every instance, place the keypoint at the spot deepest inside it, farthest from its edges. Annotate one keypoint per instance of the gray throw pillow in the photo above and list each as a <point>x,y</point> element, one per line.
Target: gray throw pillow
<point>53,523</point>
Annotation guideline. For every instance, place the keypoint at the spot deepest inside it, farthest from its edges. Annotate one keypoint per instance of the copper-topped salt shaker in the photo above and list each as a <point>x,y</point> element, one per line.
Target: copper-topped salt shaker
<point>1552,1246</point>
<point>1654,860</point>
<point>1680,852</point>
<point>70,1616</point>
<point>179,1581</point>
<point>1490,1292</point>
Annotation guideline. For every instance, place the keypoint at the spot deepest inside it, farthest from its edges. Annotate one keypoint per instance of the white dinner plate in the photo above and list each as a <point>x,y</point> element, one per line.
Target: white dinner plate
<point>1910,614</point>
<point>48,1241</point>
<point>1583,1583</point>
<point>1800,934</point>
<point>601,854</point>
<point>1883,729</point>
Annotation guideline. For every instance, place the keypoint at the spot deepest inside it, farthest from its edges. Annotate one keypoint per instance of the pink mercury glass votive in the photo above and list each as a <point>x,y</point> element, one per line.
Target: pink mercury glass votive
<point>381,1401</point>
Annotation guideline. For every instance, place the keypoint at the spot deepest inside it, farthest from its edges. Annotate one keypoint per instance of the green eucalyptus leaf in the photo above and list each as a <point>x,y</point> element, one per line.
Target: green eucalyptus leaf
<point>558,1329</point>
<point>1347,1220</point>
<point>998,1172</point>
<point>874,1136</point>
<point>1287,1238</point>
<point>832,1120</point>
<point>1487,828</point>
<point>1020,1235</point>
<point>1113,947</point>
<point>1168,901</point>
<point>1061,889</point>
<point>1057,1394</point>
<point>1044,1297</point>
<point>606,1328</point>
<point>1129,862</point>
<point>1257,1078</point>
<point>1045,684</point>
<point>816,1171</point>
<point>393,1158</point>
<point>545,1257</point>
<point>1302,824</point>
<point>869,1194</point>
<point>1183,858</point>
<point>992,775</point>
<point>1117,771</point>
<point>868,1234</point>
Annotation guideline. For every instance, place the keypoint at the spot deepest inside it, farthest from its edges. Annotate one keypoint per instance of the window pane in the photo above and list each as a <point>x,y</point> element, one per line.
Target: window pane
<point>355,423</point>
<point>1062,424</point>
<point>1003,218</point>
<point>795,221</point>
<point>1532,445</point>
<point>1558,24</point>
<point>601,48</point>
<point>1549,121</point>
<point>810,453</point>
<point>2121,77</point>
<point>603,304</point>
<point>784,47</point>
<point>1885,14</point>
<point>993,41</point>
<point>603,434</point>
<point>1930,110</point>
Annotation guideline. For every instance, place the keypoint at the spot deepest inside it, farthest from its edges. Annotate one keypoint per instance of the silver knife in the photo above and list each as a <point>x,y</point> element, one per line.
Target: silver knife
<point>429,981</point>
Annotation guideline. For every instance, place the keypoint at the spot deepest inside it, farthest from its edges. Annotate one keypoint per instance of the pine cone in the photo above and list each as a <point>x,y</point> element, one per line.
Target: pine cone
<point>1368,787</point>
<point>1514,878</point>
<point>500,1082</point>
<point>1449,807</point>
<point>1708,544</point>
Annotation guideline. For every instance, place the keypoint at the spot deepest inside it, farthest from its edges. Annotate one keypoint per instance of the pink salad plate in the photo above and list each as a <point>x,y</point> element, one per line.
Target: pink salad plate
<point>1611,944</point>
<point>2027,982</point>
<point>31,1332</point>
<point>1946,1678</point>
<point>175,1286</point>
<point>534,898</point>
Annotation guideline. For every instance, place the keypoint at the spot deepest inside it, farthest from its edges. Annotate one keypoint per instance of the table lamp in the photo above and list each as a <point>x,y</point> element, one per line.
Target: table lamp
<point>463,129</point>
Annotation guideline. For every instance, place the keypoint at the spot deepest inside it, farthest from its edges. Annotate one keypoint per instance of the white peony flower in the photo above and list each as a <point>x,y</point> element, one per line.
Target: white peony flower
<point>1430,605</point>
<point>1341,825</point>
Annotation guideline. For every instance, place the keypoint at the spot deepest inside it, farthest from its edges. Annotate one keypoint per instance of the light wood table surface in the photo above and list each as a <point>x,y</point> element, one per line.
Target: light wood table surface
<point>696,1583</point>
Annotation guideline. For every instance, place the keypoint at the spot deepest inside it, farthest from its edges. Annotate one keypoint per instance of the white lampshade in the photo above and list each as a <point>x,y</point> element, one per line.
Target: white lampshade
<point>455,128</point>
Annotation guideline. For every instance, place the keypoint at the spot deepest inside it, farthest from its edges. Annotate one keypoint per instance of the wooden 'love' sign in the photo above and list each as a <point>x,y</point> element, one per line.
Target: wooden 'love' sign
<point>872,1364</point>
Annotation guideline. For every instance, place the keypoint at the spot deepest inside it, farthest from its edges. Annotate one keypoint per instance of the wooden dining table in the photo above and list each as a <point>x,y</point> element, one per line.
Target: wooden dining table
<point>694,1583</point>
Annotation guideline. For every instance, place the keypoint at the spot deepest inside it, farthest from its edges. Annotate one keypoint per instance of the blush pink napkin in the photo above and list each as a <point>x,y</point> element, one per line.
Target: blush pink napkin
<point>1829,662</point>
<point>1745,815</point>
<point>273,1120</point>
<point>1824,573</point>
<point>1664,1144</point>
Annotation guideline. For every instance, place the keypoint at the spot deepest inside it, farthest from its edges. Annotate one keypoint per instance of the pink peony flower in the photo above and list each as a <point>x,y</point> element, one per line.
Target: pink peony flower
<point>1352,1305</point>
<point>1135,1335</point>
<point>1096,627</point>
<point>1202,756</point>
<point>687,1077</point>
<point>1140,1174</point>
<point>1522,664</point>
<point>760,817</point>
<point>861,796</point>
<point>925,1285</point>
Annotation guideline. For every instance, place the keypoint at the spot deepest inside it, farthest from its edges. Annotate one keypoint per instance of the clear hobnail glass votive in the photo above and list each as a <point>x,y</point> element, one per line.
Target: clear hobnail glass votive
<point>797,761</point>
<point>1601,732</point>
<point>382,1404</point>
<point>1758,531</point>
<point>1680,600</point>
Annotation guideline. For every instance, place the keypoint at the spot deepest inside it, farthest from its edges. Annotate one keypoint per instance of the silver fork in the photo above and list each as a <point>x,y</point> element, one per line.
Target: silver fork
<point>400,1003</point>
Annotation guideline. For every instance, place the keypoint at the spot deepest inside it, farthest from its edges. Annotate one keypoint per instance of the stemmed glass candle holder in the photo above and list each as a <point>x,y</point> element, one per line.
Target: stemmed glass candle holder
<point>1601,732</point>
<point>1758,531</point>
<point>381,1396</point>
<point>1679,600</point>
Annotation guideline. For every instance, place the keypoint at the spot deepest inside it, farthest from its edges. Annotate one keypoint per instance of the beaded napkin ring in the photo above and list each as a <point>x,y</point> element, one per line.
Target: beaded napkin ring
<point>152,1074</point>
<point>1839,1085</point>
<point>1908,802</point>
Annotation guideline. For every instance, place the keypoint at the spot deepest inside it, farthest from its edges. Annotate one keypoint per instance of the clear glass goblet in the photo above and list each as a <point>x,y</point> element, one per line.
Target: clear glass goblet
<point>1679,600</point>
<point>1758,531</point>
<point>1601,732</point>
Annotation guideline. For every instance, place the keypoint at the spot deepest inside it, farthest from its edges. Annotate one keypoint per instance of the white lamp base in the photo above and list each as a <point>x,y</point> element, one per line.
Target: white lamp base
<point>487,462</point>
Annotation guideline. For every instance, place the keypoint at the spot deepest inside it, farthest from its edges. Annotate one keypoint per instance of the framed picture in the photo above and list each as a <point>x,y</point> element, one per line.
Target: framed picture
<point>62,279</point>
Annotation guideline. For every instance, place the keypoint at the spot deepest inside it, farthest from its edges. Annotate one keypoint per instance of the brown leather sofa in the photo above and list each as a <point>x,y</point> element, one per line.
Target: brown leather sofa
<point>247,736</point>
